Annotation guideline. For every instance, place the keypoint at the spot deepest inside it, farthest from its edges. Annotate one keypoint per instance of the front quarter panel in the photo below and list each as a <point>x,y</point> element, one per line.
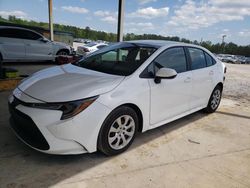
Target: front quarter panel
<point>133,90</point>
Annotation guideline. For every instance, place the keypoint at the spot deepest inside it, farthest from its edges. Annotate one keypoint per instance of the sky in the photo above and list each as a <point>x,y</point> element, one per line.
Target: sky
<point>190,19</point>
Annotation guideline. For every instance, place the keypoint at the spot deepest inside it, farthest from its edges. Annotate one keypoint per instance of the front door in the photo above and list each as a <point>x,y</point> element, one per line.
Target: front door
<point>171,97</point>
<point>37,49</point>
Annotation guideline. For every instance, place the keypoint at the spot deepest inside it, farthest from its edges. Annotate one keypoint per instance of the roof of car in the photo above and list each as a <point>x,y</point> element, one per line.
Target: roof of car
<point>12,27</point>
<point>156,43</point>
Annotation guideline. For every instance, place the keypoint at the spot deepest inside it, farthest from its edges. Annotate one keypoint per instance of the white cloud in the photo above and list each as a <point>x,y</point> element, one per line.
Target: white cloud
<point>150,12</point>
<point>109,19</point>
<point>107,16</point>
<point>195,15</point>
<point>138,27</point>
<point>244,33</point>
<point>79,10</point>
<point>143,25</point>
<point>17,13</point>
<point>102,13</point>
<point>142,2</point>
<point>230,2</point>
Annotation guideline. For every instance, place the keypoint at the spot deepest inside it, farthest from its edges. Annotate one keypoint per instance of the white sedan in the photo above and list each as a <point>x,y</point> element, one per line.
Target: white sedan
<point>105,99</point>
<point>90,48</point>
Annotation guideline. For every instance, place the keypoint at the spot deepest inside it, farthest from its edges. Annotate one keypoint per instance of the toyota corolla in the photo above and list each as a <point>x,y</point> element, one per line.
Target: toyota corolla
<point>102,101</point>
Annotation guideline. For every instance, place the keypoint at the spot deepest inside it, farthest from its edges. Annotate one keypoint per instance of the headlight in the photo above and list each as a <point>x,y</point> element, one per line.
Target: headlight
<point>69,109</point>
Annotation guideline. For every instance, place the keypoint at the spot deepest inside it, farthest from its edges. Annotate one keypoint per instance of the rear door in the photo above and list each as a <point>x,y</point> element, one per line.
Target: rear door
<point>171,97</point>
<point>12,44</point>
<point>37,49</point>
<point>202,78</point>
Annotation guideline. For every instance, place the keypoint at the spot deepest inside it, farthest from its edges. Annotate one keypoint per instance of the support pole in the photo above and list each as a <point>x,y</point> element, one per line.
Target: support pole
<point>120,21</point>
<point>1,69</point>
<point>50,6</point>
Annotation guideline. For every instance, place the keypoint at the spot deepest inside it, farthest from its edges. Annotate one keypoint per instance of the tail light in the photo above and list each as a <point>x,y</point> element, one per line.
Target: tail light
<point>225,70</point>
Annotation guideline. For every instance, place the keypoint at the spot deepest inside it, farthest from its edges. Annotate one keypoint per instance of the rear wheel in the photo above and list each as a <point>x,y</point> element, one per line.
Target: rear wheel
<point>118,131</point>
<point>214,100</point>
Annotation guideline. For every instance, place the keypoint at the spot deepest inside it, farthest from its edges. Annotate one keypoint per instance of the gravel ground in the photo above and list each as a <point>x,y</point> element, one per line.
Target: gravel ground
<point>237,84</point>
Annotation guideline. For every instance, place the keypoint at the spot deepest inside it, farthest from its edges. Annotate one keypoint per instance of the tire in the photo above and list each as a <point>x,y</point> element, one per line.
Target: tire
<point>214,100</point>
<point>118,131</point>
<point>62,52</point>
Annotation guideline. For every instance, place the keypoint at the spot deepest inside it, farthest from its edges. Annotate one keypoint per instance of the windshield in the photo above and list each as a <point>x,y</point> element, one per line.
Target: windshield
<point>118,59</point>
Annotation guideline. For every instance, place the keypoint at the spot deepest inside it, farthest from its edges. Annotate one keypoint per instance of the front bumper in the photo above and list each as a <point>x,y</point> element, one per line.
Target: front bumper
<point>44,131</point>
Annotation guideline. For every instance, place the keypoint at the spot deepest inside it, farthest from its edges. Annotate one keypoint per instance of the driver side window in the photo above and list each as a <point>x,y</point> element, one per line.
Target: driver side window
<point>173,58</point>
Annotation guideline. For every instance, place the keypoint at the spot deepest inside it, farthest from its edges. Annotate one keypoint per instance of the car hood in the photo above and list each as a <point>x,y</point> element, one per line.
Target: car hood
<point>60,44</point>
<point>68,83</point>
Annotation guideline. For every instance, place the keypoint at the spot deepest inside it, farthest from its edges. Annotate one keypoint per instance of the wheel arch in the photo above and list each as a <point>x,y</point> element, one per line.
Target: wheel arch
<point>220,84</point>
<point>138,112</point>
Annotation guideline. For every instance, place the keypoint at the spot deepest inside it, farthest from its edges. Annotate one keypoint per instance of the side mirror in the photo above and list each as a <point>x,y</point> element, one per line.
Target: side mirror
<point>44,40</point>
<point>164,73</point>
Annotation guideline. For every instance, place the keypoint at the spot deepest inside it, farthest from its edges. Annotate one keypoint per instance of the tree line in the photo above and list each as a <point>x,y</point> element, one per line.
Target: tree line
<point>88,33</point>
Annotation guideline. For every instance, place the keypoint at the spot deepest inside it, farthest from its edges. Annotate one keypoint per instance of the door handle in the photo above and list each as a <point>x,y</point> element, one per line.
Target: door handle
<point>28,45</point>
<point>188,79</point>
<point>211,73</point>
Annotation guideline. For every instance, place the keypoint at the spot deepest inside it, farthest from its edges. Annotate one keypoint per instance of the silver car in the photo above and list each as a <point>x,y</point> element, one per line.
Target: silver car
<point>20,44</point>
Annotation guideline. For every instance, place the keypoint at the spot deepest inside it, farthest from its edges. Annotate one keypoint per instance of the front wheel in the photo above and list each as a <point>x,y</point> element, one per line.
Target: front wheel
<point>214,100</point>
<point>62,53</point>
<point>118,131</point>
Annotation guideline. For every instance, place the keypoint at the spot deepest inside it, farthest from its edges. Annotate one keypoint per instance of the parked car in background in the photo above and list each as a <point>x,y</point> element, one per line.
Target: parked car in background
<point>80,42</point>
<point>227,58</point>
<point>104,99</point>
<point>90,48</point>
<point>241,59</point>
<point>84,41</point>
<point>247,60</point>
<point>20,44</point>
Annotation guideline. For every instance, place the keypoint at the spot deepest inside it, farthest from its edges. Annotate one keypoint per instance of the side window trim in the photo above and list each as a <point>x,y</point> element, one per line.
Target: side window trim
<point>188,58</point>
<point>143,74</point>
<point>206,57</point>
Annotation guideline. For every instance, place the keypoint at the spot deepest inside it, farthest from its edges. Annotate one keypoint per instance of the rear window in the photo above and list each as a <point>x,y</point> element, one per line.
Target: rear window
<point>19,33</point>
<point>90,44</point>
<point>11,33</point>
<point>198,60</point>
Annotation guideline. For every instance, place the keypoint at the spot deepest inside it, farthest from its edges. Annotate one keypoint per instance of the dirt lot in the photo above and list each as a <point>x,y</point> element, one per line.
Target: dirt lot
<point>237,85</point>
<point>199,150</point>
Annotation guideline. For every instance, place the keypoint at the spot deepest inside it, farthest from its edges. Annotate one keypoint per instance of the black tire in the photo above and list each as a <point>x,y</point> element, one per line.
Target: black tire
<point>211,106</point>
<point>62,52</point>
<point>105,135</point>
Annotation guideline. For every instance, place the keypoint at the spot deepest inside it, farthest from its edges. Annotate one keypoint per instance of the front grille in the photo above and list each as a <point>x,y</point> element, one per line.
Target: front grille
<point>25,127</point>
